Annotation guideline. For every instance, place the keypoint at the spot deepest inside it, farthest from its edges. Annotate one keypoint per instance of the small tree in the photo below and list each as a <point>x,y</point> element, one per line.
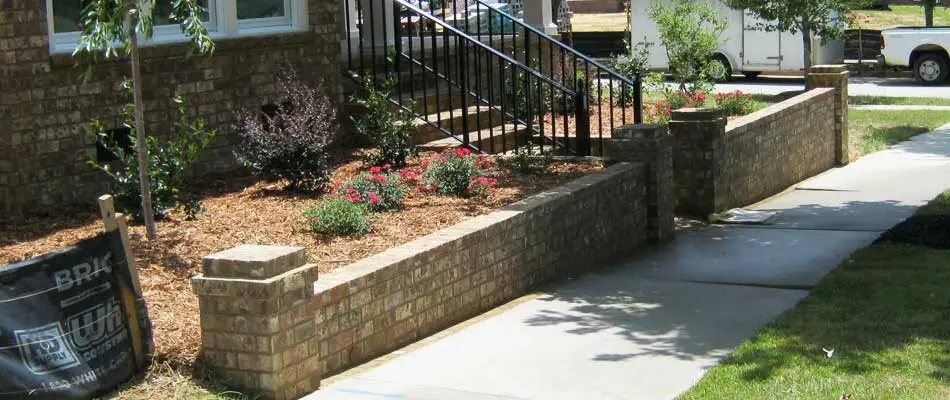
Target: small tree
<point>691,31</point>
<point>112,28</point>
<point>825,18</point>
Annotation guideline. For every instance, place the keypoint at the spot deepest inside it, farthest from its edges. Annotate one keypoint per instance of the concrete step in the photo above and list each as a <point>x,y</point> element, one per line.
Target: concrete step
<point>492,140</point>
<point>431,101</point>
<point>426,101</point>
<point>478,117</point>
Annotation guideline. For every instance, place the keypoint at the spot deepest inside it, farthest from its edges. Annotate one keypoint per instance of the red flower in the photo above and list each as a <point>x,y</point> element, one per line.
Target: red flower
<point>380,179</point>
<point>373,198</point>
<point>425,163</point>
<point>376,170</point>
<point>387,167</point>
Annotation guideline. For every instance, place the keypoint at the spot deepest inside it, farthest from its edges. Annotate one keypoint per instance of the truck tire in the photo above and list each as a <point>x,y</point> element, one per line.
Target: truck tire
<point>931,68</point>
<point>719,69</point>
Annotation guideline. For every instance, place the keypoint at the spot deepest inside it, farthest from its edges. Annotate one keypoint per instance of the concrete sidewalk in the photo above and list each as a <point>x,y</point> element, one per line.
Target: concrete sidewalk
<point>650,327</point>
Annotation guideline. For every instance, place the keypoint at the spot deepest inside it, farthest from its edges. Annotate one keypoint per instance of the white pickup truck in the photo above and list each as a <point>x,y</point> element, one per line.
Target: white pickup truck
<point>923,50</point>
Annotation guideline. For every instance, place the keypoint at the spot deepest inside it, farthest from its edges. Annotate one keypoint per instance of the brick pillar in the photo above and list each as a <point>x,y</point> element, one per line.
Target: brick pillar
<point>836,77</point>
<point>257,320</point>
<point>696,132</point>
<point>652,145</point>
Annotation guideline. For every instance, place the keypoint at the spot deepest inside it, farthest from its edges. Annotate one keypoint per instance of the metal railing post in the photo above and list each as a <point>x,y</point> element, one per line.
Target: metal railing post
<point>638,99</point>
<point>582,118</point>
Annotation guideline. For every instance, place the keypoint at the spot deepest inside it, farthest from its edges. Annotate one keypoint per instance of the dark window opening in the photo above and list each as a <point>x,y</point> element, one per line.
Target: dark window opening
<point>121,137</point>
<point>270,112</point>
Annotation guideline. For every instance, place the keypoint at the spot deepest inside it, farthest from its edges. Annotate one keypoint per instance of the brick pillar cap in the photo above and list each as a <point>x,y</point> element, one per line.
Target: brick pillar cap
<point>828,69</point>
<point>253,261</point>
<point>640,131</point>
<point>698,114</point>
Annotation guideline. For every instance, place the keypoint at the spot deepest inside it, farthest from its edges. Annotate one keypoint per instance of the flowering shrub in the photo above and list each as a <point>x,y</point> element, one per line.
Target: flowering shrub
<point>661,112</point>
<point>735,103</point>
<point>680,100</point>
<point>338,217</point>
<point>674,101</point>
<point>380,190</point>
<point>481,186</point>
<point>457,172</point>
<point>411,176</point>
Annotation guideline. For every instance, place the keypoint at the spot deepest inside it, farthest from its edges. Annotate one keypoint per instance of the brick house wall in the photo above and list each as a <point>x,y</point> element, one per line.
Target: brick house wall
<point>44,108</point>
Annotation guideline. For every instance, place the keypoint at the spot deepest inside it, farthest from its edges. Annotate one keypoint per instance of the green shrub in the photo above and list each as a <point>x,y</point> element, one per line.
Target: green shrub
<point>527,164</point>
<point>338,217</point>
<point>291,142</point>
<point>635,64</point>
<point>735,103</point>
<point>168,163</point>
<point>380,190</point>
<point>388,128</point>
<point>457,172</point>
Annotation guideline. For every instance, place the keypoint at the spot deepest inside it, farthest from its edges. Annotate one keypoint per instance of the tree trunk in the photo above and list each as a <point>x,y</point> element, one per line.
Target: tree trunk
<point>929,15</point>
<point>806,41</point>
<point>142,140</point>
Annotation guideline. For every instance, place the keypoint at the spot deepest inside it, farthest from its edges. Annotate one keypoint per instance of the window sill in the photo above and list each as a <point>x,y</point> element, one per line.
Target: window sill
<point>174,45</point>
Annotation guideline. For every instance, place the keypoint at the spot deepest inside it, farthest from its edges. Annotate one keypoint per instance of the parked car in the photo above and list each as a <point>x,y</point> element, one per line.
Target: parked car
<point>923,50</point>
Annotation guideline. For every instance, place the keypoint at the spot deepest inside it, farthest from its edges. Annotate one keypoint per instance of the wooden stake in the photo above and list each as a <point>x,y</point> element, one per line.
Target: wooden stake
<point>116,222</point>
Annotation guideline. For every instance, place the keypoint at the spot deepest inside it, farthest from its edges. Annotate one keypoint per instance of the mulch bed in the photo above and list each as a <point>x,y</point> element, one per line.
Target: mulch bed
<point>243,211</point>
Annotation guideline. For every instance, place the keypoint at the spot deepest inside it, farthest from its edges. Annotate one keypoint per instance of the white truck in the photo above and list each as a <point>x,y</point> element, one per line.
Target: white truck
<point>923,50</point>
<point>744,50</point>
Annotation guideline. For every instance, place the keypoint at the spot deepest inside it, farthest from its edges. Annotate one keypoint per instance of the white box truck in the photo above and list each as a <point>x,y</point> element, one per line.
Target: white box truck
<point>744,50</point>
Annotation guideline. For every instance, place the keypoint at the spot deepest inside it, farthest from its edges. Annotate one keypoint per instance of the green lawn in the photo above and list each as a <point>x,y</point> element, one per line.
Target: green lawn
<point>886,313</point>
<point>914,101</point>
<point>898,16</point>
<point>866,19</point>
<point>871,131</point>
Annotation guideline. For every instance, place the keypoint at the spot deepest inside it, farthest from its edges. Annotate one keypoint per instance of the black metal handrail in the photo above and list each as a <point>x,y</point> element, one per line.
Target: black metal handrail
<point>561,45</point>
<point>482,45</point>
<point>613,94</point>
<point>527,107</point>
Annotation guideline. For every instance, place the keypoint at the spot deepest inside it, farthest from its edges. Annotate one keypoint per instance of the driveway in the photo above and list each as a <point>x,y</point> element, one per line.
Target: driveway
<point>859,86</point>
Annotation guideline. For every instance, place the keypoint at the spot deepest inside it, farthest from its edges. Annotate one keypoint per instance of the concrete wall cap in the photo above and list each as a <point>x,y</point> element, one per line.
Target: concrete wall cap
<point>698,114</point>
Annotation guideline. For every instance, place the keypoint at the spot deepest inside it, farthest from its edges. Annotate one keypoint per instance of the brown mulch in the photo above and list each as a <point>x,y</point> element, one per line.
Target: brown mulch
<point>242,211</point>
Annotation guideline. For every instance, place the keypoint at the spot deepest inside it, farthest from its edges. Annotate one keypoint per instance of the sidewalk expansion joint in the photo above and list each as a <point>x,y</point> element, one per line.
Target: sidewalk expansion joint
<point>755,285</point>
<point>826,190</point>
<point>792,228</point>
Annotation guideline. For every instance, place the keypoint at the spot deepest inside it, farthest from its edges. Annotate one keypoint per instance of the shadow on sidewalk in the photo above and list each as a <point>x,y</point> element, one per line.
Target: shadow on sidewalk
<point>699,320</point>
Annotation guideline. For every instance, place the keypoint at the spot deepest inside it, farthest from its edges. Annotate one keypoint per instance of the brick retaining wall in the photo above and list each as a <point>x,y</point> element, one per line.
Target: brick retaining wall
<point>270,326</point>
<point>767,151</point>
<point>719,166</point>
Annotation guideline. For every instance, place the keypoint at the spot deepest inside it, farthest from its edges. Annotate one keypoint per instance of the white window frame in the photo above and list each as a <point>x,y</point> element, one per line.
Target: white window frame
<point>268,22</point>
<point>222,24</point>
<point>171,30</point>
